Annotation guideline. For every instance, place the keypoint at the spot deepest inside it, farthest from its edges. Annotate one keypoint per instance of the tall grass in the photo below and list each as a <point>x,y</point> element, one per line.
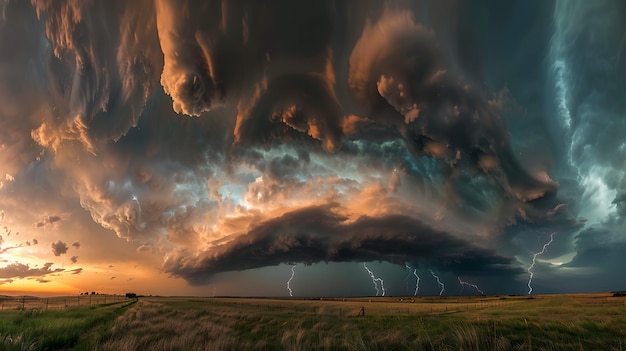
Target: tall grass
<point>178,324</point>
<point>544,323</point>
<point>36,329</point>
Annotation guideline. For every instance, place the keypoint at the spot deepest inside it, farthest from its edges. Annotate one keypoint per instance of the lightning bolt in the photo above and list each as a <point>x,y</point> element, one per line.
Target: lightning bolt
<point>443,287</point>
<point>376,281</point>
<point>417,282</point>
<point>139,214</point>
<point>293,273</point>
<point>463,284</point>
<point>138,204</point>
<point>530,268</point>
<point>417,279</point>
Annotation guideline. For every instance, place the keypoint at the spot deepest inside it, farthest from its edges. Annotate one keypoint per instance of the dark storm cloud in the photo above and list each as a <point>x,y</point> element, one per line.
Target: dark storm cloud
<point>20,270</point>
<point>401,64</point>
<point>597,247</point>
<point>103,65</point>
<point>22,92</point>
<point>588,121</point>
<point>395,63</point>
<point>59,248</point>
<point>294,107</point>
<point>318,233</point>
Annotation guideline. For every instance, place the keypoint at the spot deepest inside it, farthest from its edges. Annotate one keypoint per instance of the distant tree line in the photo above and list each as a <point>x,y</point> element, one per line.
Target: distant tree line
<point>130,295</point>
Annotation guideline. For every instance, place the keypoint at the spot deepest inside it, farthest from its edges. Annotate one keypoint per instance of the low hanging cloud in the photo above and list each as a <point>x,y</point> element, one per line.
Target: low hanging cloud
<point>319,233</point>
<point>59,248</point>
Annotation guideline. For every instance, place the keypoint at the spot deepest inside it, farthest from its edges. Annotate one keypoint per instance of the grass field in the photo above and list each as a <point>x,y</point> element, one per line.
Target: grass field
<point>551,322</point>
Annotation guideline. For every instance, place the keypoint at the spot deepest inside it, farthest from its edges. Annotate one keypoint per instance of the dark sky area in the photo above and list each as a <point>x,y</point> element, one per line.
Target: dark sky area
<point>312,147</point>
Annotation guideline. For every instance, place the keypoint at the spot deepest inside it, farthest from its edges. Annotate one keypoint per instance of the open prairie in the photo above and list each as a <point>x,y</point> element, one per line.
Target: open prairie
<point>548,322</point>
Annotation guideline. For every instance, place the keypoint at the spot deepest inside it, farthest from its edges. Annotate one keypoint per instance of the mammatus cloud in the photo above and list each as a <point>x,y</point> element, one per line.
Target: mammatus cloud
<point>101,69</point>
<point>59,248</point>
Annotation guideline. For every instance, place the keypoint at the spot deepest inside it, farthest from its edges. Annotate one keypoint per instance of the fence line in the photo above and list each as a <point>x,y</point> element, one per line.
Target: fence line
<point>308,307</point>
<point>8,303</point>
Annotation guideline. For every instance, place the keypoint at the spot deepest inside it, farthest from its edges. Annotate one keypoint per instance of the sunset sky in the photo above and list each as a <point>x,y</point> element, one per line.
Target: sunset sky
<point>185,147</point>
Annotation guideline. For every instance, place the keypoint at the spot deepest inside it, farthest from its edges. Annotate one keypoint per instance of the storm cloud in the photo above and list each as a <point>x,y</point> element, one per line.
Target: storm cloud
<point>222,136</point>
<point>319,233</point>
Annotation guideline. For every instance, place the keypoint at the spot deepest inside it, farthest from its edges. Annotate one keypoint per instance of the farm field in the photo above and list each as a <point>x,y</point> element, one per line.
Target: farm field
<point>548,322</point>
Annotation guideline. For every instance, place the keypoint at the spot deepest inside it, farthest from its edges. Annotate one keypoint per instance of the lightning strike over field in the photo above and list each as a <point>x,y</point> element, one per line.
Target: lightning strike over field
<point>532,265</point>
<point>417,279</point>
<point>417,282</point>
<point>464,284</point>
<point>293,273</point>
<point>443,287</point>
<point>215,141</point>
<point>376,281</point>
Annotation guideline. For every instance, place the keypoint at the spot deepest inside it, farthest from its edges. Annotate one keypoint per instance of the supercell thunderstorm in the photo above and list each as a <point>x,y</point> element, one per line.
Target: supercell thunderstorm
<point>226,136</point>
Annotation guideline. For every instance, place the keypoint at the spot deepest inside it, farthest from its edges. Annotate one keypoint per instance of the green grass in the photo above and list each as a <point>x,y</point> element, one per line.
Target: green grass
<point>37,329</point>
<point>559,322</point>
